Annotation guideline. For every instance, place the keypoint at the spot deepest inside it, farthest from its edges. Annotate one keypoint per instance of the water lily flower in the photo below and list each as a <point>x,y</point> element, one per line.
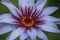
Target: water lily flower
<point>28,20</point>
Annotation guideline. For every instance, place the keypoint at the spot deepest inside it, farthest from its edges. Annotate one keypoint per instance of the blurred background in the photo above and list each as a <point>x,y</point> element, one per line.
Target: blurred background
<point>51,36</point>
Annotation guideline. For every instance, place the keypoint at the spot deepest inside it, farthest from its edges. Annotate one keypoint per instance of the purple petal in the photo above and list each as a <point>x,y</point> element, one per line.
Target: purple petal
<point>41,5</point>
<point>49,10</point>
<point>51,24</point>
<point>6,18</point>
<point>41,35</point>
<point>50,18</point>
<point>15,34</point>
<point>38,2</point>
<point>26,3</point>
<point>32,33</point>
<point>23,36</point>
<point>57,22</point>
<point>8,1</point>
<point>49,29</point>
<point>12,8</point>
<point>6,28</point>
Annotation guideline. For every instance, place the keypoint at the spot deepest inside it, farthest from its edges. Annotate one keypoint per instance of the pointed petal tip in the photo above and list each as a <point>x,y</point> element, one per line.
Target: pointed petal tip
<point>58,31</point>
<point>49,10</point>
<point>41,5</point>
<point>5,29</point>
<point>56,8</point>
<point>3,2</point>
<point>50,29</point>
<point>8,1</point>
<point>41,35</point>
<point>57,22</point>
<point>13,9</point>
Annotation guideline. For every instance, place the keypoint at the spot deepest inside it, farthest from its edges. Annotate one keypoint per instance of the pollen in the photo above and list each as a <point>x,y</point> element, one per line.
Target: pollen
<point>27,21</point>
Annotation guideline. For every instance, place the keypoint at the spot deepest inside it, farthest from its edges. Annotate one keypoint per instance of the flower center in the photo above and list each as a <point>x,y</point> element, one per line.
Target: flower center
<point>28,18</point>
<point>27,21</point>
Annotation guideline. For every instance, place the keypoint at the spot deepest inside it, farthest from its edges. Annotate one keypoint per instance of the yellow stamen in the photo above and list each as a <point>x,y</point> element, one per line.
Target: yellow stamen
<point>27,24</point>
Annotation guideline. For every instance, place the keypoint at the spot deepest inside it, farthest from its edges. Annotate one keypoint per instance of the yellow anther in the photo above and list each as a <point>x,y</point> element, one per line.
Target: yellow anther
<point>27,24</point>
